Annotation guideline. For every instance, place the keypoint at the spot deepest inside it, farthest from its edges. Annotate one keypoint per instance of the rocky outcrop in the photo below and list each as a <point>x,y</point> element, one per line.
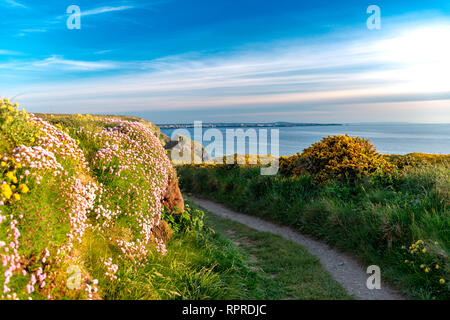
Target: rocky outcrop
<point>182,145</point>
<point>163,231</point>
<point>172,198</point>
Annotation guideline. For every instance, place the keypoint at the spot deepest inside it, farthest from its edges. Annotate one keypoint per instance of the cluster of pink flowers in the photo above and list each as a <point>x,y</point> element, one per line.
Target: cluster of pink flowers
<point>91,289</point>
<point>52,148</point>
<point>132,153</point>
<point>10,257</point>
<point>37,158</point>
<point>81,196</point>
<point>105,216</point>
<point>111,269</point>
<point>134,251</point>
<point>59,142</point>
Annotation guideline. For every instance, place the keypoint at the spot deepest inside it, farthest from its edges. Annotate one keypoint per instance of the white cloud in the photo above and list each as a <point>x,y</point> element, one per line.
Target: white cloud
<point>57,65</point>
<point>104,10</point>
<point>9,52</point>
<point>76,65</point>
<point>13,3</point>
<point>34,30</point>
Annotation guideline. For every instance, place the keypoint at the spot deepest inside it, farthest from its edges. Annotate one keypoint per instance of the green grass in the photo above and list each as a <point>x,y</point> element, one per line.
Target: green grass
<point>284,269</point>
<point>195,268</point>
<point>232,262</point>
<point>373,220</point>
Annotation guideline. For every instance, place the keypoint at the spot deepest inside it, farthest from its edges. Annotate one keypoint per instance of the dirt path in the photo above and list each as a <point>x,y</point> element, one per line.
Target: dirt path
<point>343,268</point>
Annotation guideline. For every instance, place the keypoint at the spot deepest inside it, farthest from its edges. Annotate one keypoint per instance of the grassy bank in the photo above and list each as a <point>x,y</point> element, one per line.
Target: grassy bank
<point>400,222</point>
<point>199,265</point>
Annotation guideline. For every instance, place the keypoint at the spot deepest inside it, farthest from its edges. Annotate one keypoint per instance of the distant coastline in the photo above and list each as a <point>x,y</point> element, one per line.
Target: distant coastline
<point>245,125</point>
<point>388,138</point>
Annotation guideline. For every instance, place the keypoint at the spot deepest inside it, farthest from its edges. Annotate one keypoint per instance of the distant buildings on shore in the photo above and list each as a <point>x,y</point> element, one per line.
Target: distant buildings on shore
<point>245,125</point>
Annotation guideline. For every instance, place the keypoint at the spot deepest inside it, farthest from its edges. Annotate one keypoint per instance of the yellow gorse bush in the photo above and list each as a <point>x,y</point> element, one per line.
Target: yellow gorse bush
<point>338,157</point>
<point>418,159</point>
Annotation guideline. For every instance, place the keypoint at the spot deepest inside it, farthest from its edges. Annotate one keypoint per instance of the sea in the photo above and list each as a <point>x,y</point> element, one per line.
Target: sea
<point>388,138</point>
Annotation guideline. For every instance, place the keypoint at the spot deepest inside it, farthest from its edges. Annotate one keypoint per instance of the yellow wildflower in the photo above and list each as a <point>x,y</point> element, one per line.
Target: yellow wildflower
<point>11,175</point>
<point>437,266</point>
<point>18,165</point>
<point>424,250</point>
<point>6,191</point>
<point>10,108</point>
<point>422,266</point>
<point>16,196</point>
<point>3,164</point>
<point>441,281</point>
<point>24,188</point>
<point>427,270</point>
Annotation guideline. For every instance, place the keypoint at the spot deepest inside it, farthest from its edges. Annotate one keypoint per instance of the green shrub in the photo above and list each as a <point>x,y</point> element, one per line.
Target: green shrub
<point>189,221</point>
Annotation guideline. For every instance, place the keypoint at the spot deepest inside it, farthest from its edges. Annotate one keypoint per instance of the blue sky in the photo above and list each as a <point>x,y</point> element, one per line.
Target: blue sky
<point>225,61</point>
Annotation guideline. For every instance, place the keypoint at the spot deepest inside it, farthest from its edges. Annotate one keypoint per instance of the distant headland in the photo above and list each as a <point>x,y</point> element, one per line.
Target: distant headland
<point>245,125</point>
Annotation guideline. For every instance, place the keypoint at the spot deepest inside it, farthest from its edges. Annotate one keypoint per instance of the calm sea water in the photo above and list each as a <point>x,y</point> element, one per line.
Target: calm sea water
<point>387,138</point>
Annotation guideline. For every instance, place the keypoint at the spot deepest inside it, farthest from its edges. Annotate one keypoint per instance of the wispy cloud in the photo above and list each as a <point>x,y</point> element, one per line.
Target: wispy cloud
<point>35,30</point>
<point>103,51</point>
<point>102,10</point>
<point>13,3</point>
<point>24,32</point>
<point>57,65</point>
<point>92,12</point>
<point>74,65</point>
<point>9,52</point>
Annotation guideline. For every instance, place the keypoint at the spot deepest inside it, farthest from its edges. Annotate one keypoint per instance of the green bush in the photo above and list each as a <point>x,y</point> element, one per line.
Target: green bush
<point>189,221</point>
